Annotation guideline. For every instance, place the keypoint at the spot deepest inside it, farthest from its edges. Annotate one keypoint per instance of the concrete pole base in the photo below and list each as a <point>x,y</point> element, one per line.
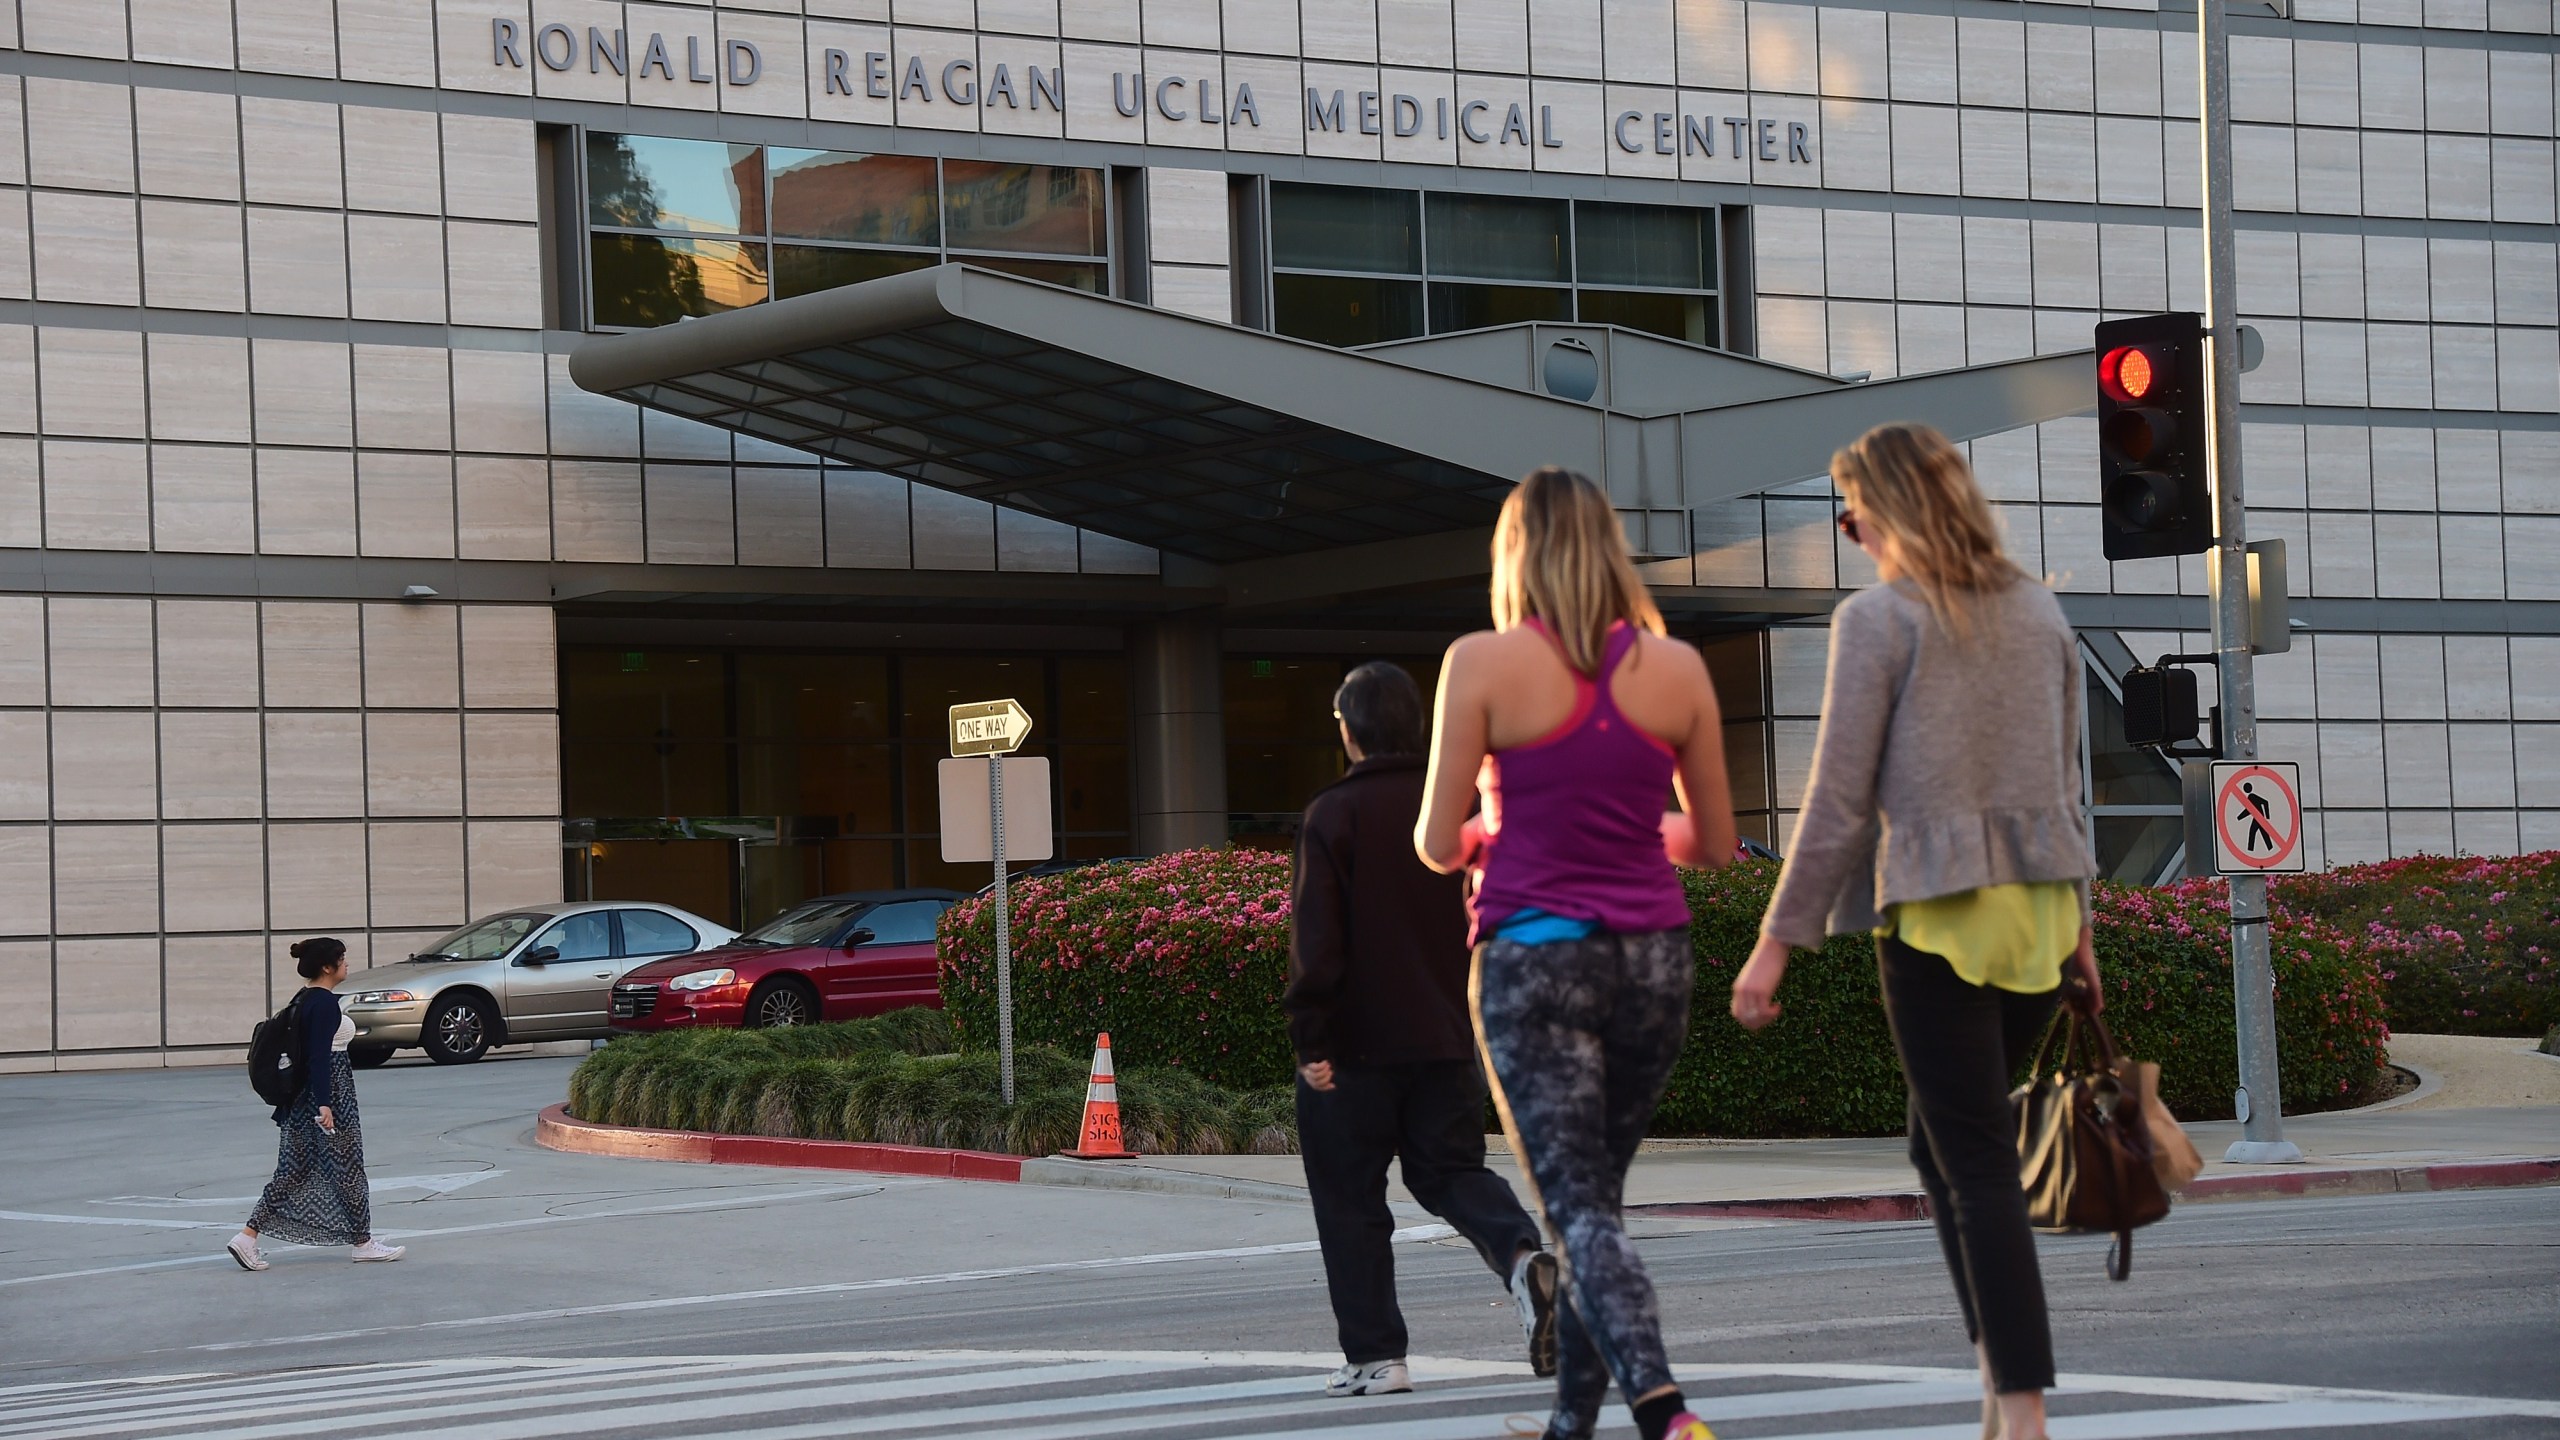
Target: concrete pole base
<point>2262,1152</point>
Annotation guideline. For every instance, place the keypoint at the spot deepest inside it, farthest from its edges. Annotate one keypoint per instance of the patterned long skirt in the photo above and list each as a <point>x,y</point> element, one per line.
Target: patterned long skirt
<point>319,1195</point>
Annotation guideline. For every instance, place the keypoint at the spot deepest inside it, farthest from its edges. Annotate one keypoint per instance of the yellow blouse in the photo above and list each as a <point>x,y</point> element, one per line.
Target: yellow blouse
<point>2013,937</point>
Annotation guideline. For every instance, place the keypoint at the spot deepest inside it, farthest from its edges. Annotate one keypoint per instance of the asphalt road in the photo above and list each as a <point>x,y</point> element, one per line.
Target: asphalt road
<point>549,1294</point>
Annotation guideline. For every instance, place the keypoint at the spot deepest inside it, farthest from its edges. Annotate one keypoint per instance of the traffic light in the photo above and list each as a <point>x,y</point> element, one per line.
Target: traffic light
<point>2154,493</point>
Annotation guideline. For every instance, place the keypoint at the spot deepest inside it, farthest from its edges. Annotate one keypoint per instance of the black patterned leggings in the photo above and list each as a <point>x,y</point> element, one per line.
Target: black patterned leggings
<point>1580,1036</point>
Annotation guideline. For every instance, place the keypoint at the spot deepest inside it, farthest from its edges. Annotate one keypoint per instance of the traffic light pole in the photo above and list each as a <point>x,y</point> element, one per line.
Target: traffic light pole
<point>2260,1103</point>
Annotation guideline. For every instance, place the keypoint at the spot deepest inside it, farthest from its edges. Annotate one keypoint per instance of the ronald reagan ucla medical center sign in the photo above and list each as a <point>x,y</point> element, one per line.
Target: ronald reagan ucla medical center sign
<point>935,79</point>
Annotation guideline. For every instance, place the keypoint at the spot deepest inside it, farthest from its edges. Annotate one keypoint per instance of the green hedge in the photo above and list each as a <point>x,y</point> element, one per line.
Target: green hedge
<point>896,1080</point>
<point>1827,1066</point>
<point>1181,958</point>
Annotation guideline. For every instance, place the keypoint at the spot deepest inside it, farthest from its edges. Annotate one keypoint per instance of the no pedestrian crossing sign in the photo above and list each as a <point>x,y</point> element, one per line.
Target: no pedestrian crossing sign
<point>2257,818</point>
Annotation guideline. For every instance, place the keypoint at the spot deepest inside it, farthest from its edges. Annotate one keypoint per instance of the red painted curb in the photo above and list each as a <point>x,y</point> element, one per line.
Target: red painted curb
<point>557,1129</point>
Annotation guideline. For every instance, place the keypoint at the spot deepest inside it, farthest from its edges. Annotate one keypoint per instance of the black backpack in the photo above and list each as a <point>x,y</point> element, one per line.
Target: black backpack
<point>275,1061</point>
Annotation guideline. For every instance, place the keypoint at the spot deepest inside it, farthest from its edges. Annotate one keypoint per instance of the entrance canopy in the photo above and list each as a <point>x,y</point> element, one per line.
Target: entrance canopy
<point>1246,449</point>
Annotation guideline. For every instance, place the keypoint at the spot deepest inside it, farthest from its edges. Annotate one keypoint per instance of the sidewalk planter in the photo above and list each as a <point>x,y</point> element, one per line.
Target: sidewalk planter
<point>894,1081</point>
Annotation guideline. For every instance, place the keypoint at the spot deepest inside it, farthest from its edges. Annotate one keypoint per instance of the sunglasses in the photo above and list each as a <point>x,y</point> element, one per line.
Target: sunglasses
<point>1848,523</point>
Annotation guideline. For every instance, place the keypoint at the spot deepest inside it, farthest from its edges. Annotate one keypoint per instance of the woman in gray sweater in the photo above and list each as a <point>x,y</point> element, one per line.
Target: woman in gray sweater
<point>1944,817</point>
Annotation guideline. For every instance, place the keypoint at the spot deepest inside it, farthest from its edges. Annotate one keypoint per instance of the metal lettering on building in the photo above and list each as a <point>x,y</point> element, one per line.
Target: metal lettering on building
<point>1175,98</point>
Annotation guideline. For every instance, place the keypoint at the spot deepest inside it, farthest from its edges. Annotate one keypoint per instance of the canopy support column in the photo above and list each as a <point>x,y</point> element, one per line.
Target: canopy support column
<point>1177,734</point>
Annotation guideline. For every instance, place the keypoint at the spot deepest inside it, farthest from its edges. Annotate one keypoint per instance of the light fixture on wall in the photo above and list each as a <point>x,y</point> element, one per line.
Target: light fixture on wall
<point>419,592</point>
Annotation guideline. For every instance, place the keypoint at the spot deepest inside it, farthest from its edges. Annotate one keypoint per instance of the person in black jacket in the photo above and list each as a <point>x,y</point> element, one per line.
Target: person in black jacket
<point>1387,1068</point>
<point>319,1195</point>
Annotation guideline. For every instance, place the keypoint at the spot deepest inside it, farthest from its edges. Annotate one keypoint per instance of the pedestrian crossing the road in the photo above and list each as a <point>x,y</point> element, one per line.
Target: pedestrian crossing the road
<point>1071,1395</point>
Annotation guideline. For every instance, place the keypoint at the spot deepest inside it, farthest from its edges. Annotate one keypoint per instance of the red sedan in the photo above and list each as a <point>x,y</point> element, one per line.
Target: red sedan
<point>833,958</point>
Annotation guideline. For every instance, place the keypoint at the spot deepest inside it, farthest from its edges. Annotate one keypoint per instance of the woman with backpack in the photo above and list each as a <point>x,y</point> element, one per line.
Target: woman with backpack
<point>1943,816</point>
<point>1575,716</point>
<point>319,1195</point>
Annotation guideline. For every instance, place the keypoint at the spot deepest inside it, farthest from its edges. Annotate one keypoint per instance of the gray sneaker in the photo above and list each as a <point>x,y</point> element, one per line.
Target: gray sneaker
<point>1378,1377</point>
<point>1533,1292</point>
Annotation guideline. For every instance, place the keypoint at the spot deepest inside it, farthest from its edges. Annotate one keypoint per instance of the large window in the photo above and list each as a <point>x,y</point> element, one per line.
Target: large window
<point>1355,266</point>
<point>679,228</point>
<point>740,783</point>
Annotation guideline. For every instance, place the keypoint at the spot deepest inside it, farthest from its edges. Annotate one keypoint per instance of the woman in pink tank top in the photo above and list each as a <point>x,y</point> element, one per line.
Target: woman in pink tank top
<point>1576,717</point>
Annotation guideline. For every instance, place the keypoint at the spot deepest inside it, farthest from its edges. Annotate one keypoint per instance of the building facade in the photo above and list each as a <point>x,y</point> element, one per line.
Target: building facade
<point>329,602</point>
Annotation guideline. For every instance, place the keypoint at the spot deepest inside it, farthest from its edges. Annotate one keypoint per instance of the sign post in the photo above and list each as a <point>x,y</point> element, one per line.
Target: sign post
<point>2260,1100</point>
<point>995,729</point>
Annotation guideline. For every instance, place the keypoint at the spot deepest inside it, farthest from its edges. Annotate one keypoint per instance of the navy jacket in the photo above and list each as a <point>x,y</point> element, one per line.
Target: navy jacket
<point>315,1026</point>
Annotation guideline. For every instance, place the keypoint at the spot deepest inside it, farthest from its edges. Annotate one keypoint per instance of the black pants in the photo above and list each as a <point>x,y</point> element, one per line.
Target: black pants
<point>1431,1116</point>
<point>1959,1044</point>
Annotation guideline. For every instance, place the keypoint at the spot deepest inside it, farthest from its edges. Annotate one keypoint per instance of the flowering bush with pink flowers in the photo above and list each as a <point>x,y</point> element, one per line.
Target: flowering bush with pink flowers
<point>2466,945</point>
<point>1181,957</point>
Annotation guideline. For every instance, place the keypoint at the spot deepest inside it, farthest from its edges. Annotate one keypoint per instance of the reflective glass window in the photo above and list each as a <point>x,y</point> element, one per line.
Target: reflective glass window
<point>807,269</point>
<point>1341,227</point>
<point>871,199</point>
<point>643,182</point>
<point>1659,312</point>
<point>643,280</point>
<point>1346,310</point>
<point>1092,279</point>
<point>1039,209</point>
<point>903,922</point>
<point>1477,307</point>
<point>1653,245</point>
<point>584,936</point>
<point>654,932</point>
<point>1496,237</point>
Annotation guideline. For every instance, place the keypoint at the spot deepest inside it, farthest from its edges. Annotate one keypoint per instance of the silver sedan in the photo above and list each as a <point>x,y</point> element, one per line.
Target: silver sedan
<point>541,972</point>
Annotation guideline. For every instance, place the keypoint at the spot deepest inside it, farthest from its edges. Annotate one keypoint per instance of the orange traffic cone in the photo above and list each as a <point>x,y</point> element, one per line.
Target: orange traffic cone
<point>1101,1140</point>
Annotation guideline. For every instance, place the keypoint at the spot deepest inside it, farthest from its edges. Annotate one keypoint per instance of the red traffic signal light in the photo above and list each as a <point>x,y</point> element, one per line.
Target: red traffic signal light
<point>2154,491</point>
<point>2129,373</point>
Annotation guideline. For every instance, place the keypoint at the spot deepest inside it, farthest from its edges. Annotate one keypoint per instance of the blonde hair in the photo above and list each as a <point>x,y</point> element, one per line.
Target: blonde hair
<point>1912,483</point>
<point>1559,555</point>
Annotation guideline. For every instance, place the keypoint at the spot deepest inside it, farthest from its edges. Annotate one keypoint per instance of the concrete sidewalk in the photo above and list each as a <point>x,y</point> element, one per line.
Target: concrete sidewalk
<point>2478,1102</point>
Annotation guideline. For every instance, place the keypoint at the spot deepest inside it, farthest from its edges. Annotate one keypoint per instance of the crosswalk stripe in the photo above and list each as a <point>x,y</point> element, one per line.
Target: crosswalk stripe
<point>483,1396</point>
<point>375,1385</point>
<point>1091,1395</point>
<point>685,1397</point>
<point>2242,1419</point>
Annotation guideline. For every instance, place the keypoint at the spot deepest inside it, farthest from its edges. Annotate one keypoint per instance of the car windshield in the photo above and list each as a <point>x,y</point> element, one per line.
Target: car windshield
<point>482,939</point>
<point>808,925</point>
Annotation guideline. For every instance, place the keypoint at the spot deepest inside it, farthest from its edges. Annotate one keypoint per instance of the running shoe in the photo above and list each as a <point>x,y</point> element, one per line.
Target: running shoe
<point>1686,1426</point>
<point>376,1250</point>
<point>244,1249</point>
<point>1533,1290</point>
<point>1378,1377</point>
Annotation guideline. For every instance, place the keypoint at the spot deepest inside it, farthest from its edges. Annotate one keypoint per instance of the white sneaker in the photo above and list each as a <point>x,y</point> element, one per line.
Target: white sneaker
<point>244,1248</point>
<point>1378,1377</point>
<point>1533,1294</point>
<point>376,1250</point>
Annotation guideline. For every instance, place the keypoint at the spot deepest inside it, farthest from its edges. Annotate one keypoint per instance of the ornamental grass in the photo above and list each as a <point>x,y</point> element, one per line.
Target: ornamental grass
<point>898,1080</point>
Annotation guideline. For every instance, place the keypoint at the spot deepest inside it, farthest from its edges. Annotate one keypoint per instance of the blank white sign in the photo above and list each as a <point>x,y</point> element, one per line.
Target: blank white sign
<point>1027,834</point>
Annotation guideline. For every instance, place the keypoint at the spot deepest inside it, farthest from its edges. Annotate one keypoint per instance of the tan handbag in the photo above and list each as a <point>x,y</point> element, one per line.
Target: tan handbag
<point>2084,1151</point>
<point>2173,1155</point>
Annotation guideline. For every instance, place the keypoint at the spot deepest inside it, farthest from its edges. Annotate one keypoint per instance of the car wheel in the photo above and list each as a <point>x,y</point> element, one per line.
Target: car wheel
<point>370,1057</point>
<point>459,1030</point>
<point>778,1003</point>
